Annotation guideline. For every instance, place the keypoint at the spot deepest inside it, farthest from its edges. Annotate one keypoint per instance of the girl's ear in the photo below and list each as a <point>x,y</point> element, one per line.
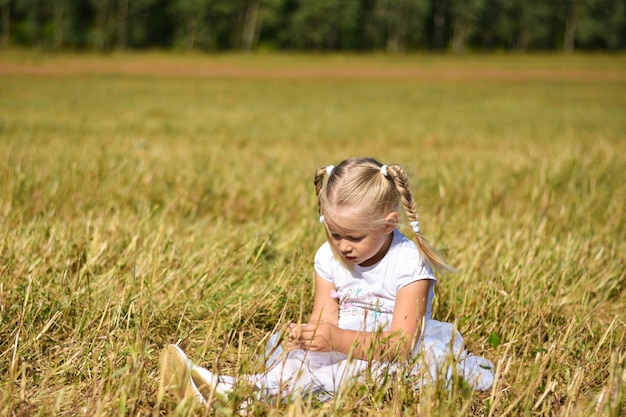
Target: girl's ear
<point>391,221</point>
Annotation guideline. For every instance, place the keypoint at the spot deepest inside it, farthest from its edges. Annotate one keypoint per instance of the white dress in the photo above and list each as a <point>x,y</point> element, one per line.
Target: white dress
<point>366,301</point>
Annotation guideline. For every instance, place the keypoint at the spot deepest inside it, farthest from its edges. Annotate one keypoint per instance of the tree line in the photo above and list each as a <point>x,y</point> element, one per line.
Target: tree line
<point>319,25</point>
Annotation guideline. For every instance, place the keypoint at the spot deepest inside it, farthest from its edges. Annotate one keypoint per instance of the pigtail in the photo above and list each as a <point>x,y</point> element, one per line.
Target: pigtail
<point>401,181</point>
<point>319,181</point>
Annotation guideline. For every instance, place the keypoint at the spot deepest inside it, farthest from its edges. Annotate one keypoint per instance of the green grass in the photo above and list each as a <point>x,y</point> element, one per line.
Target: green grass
<point>145,203</point>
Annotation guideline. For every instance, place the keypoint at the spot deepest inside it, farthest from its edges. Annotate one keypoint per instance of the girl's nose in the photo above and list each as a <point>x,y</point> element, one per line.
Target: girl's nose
<point>344,247</point>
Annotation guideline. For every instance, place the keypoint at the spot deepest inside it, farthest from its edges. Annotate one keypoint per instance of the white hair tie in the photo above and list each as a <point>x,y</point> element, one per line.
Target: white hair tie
<point>329,169</point>
<point>415,226</point>
<point>322,219</point>
<point>383,170</point>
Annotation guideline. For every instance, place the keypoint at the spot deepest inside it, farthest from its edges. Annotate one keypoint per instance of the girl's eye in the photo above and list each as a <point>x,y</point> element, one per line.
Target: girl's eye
<point>335,236</point>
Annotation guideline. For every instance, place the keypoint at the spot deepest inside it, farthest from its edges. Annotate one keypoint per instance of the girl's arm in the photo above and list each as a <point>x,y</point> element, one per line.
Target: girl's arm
<point>398,342</point>
<point>325,306</point>
<point>325,310</point>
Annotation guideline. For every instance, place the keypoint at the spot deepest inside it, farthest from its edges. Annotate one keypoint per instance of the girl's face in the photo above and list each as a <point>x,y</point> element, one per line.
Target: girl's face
<point>359,245</point>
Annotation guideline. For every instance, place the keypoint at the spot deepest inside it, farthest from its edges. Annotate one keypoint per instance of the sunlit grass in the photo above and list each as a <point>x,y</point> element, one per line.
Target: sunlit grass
<point>139,209</point>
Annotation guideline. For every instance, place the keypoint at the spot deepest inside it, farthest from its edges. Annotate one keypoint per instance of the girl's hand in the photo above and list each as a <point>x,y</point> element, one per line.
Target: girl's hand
<point>292,330</point>
<point>318,337</point>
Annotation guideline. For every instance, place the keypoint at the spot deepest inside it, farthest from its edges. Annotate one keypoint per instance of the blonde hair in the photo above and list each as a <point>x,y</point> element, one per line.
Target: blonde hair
<point>360,181</point>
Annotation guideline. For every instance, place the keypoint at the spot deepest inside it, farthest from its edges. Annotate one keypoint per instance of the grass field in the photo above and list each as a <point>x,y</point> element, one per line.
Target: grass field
<point>153,198</point>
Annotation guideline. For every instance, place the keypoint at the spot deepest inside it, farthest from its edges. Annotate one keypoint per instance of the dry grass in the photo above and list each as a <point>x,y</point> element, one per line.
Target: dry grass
<point>144,208</point>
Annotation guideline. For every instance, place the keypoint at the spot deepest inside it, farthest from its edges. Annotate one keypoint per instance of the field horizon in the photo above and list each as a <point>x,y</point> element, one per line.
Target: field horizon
<point>155,198</point>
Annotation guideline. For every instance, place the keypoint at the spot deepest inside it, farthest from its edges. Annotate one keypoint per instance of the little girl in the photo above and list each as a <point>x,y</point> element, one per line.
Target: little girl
<point>372,309</point>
